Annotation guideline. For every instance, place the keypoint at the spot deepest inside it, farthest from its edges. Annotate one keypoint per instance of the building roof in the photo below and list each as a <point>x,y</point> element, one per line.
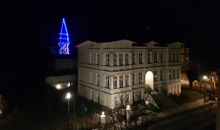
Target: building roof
<point>120,44</point>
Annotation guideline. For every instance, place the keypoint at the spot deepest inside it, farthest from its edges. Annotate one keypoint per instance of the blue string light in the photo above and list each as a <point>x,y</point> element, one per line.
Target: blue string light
<point>64,40</point>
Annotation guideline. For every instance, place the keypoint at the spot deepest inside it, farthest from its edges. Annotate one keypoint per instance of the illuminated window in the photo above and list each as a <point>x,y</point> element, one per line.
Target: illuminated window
<point>64,40</point>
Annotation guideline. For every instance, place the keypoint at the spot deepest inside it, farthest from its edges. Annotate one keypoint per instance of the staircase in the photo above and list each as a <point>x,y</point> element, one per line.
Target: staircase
<point>163,101</point>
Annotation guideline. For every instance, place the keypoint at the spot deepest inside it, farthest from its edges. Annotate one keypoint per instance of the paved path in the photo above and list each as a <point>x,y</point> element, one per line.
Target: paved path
<point>182,108</point>
<point>191,119</point>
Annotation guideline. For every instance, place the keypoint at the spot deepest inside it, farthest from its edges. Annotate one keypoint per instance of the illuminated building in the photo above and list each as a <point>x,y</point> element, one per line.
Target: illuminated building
<point>119,72</point>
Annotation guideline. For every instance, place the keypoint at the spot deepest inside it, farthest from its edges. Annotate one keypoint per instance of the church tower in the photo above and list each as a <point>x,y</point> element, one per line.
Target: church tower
<point>64,40</point>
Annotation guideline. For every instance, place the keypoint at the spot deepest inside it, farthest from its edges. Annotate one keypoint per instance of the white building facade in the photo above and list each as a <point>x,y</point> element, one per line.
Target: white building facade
<point>118,73</point>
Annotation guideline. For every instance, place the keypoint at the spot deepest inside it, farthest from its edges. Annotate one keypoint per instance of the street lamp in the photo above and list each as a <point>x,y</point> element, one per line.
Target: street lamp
<point>128,109</point>
<point>68,97</point>
<point>205,79</point>
<point>102,119</point>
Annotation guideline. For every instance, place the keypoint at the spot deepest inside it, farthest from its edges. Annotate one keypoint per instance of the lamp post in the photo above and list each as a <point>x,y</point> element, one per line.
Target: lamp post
<point>102,119</point>
<point>128,116</point>
<point>205,79</point>
<point>68,97</point>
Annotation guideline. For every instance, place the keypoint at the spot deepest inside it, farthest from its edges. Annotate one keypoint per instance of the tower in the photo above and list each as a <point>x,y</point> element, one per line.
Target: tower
<point>64,40</point>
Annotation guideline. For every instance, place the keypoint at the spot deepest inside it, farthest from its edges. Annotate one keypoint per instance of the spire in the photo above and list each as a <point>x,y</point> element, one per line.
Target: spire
<point>64,40</point>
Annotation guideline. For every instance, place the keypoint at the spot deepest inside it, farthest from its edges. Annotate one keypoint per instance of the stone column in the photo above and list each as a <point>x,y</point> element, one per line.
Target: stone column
<point>131,98</point>
<point>130,80</point>
<point>124,81</point>
<point>118,82</point>
<point>123,59</point>
<point>129,58</point>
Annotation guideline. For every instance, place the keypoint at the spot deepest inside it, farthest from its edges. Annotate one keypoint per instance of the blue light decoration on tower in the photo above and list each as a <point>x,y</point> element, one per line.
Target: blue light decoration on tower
<point>64,40</point>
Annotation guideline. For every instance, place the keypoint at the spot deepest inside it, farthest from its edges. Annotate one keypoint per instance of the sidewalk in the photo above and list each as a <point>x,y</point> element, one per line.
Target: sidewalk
<point>182,108</point>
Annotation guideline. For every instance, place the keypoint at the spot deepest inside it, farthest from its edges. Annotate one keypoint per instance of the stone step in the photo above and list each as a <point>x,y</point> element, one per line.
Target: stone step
<point>163,101</point>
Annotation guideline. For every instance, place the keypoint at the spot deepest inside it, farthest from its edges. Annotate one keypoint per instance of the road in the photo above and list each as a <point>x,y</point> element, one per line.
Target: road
<point>193,119</point>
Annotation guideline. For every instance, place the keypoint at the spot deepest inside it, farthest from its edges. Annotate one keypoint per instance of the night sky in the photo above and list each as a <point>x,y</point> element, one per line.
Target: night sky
<point>31,28</point>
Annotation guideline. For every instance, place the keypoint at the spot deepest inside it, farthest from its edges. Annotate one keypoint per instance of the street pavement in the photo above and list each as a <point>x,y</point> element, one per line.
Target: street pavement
<point>193,115</point>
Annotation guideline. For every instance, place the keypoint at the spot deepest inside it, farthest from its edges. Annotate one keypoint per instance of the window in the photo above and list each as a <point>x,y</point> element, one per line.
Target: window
<point>126,80</point>
<point>149,57</point>
<point>161,57</point>
<point>139,95</point>
<point>107,81</point>
<point>121,98</point>
<point>121,81</point>
<point>114,59</point>
<point>161,75</point>
<point>170,57</point>
<point>97,58</point>
<point>177,74</point>
<point>174,57</point>
<point>133,79</point>
<point>90,55</point>
<point>126,59</point>
<point>120,59</point>
<point>155,57</point>
<point>174,74</point>
<point>133,58</point>
<point>115,81</point>
<point>140,58</point>
<point>97,79</point>
<point>127,98</point>
<point>140,78</point>
<point>90,77</point>
<point>107,60</point>
<point>177,57</point>
<point>155,76</point>
<point>170,76</point>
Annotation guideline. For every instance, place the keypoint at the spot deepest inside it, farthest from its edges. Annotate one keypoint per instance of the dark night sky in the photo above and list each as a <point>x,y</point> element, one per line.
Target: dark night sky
<point>31,27</point>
